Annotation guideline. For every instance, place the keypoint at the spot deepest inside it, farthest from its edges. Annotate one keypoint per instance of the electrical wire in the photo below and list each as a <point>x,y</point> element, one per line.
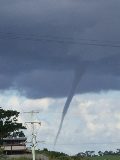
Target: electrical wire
<point>77,144</point>
<point>57,37</point>
<point>60,41</point>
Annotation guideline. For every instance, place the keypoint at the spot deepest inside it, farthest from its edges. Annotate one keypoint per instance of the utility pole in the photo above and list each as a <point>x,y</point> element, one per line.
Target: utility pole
<point>34,142</point>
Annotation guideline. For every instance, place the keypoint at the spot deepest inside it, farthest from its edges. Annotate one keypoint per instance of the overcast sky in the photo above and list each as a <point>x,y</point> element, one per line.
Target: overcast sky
<point>42,45</point>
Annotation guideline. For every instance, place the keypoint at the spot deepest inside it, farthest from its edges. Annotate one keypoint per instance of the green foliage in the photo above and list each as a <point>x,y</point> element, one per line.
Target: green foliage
<point>59,155</point>
<point>109,157</point>
<point>88,155</point>
<point>52,154</point>
<point>21,158</point>
<point>1,151</point>
<point>106,157</point>
<point>2,156</point>
<point>8,123</point>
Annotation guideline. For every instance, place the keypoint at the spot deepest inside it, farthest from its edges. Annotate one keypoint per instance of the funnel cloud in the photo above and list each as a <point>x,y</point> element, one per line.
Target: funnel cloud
<point>41,44</point>
<point>78,75</point>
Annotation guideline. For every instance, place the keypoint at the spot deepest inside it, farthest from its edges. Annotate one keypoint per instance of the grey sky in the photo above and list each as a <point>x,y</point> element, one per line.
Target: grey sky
<point>40,45</point>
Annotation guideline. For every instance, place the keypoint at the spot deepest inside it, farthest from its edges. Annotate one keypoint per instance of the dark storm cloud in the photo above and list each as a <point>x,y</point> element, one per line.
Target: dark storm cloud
<point>42,43</point>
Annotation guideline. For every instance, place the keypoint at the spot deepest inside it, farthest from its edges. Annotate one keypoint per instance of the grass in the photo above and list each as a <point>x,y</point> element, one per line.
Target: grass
<point>107,157</point>
<point>21,158</point>
<point>111,157</point>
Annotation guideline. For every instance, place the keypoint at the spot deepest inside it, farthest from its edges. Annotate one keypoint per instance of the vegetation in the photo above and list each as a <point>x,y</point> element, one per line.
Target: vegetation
<point>107,157</point>
<point>9,123</point>
<point>88,155</point>
<point>92,158</point>
<point>9,126</point>
<point>52,154</point>
<point>21,158</point>
<point>1,154</point>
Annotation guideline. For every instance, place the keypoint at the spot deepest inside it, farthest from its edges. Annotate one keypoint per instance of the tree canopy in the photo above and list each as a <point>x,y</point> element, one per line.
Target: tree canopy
<point>9,122</point>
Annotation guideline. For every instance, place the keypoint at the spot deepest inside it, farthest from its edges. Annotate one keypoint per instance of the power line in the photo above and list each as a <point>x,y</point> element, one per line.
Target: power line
<point>57,37</point>
<point>50,39</point>
<point>74,114</point>
<point>77,144</point>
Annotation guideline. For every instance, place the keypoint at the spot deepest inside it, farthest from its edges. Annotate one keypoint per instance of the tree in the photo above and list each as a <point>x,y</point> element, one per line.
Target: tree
<point>81,154</point>
<point>45,150</point>
<point>118,152</point>
<point>9,123</point>
<point>100,153</point>
<point>89,153</point>
<point>106,153</point>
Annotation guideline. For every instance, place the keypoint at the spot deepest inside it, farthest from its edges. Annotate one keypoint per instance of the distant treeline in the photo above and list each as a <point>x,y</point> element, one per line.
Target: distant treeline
<point>100,153</point>
<point>80,156</point>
